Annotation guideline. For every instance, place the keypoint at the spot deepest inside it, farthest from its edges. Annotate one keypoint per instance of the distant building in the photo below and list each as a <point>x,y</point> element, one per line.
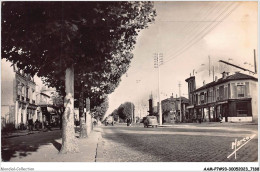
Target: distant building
<point>171,109</point>
<point>18,91</point>
<point>234,97</point>
<point>45,110</point>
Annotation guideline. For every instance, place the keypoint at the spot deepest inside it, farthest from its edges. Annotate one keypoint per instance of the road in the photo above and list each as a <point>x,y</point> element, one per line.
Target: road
<point>181,143</point>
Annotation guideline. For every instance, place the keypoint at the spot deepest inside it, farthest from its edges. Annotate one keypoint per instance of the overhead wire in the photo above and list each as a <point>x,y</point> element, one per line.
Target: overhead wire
<point>189,27</point>
<point>203,28</point>
<point>200,36</point>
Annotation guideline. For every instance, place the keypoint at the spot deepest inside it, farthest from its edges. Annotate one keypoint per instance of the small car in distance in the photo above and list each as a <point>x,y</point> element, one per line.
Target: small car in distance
<point>109,121</point>
<point>150,121</point>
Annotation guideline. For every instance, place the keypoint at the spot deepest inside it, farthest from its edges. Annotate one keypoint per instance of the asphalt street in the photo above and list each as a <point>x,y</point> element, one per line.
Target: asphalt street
<point>181,143</point>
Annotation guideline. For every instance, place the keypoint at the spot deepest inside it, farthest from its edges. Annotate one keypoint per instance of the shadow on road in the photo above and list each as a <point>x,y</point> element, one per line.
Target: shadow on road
<point>24,145</point>
<point>57,145</point>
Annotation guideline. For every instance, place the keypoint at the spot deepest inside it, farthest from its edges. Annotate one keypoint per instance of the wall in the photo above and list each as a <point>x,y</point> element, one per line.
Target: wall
<point>254,95</point>
<point>239,119</point>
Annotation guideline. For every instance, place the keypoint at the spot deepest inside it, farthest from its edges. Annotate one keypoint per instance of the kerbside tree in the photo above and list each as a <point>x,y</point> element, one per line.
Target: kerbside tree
<point>61,40</point>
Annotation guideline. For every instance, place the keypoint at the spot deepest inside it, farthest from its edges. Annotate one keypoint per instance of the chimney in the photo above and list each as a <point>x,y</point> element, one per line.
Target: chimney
<point>204,82</point>
<point>224,75</point>
<point>216,78</point>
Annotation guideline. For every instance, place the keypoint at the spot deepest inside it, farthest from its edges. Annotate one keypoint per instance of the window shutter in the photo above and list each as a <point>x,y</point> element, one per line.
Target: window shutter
<point>247,89</point>
<point>233,90</point>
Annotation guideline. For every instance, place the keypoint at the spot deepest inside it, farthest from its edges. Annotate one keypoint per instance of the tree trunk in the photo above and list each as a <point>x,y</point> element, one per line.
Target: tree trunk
<point>83,127</point>
<point>88,116</point>
<point>69,142</point>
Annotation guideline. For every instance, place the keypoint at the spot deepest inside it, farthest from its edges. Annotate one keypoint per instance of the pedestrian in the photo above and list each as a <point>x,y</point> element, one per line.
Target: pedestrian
<point>128,121</point>
<point>48,126</point>
<point>37,125</point>
<point>199,118</point>
<point>220,118</point>
<point>30,125</point>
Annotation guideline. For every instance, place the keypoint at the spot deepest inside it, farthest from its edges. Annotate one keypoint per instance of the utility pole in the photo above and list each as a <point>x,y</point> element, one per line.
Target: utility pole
<point>158,61</point>
<point>209,65</point>
<point>255,62</point>
<point>213,72</point>
<point>180,101</point>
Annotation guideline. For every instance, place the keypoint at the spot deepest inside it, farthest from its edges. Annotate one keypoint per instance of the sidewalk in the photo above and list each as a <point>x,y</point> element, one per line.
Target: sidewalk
<point>18,133</point>
<point>49,153</point>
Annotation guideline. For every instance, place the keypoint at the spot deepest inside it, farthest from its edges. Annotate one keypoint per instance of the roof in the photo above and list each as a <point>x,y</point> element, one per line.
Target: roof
<point>183,99</point>
<point>45,94</point>
<point>192,77</point>
<point>236,76</point>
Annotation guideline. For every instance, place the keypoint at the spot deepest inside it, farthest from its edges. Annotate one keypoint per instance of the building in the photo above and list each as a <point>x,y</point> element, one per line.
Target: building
<point>46,109</point>
<point>234,97</point>
<point>18,91</point>
<point>171,109</point>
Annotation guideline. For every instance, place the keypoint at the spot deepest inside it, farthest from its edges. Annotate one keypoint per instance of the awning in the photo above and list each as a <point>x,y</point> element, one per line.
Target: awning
<point>49,110</point>
<point>190,107</point>
<point>219,103</point>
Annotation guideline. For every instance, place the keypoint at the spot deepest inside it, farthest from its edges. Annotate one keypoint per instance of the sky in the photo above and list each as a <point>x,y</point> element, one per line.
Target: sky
<point>188,34</point>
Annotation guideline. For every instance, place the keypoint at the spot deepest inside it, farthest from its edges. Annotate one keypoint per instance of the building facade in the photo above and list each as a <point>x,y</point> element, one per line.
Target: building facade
<point>233,97</point>
<point>18,100</point>
<point>173,111</point>
<point>46,108</point>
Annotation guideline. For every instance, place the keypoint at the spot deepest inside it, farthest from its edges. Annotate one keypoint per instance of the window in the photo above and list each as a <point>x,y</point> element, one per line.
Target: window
<point>19,88</point>
<point>240,91</point>
<point>242,109</point>
<point>221,92</point>
<point>226,92</point>
<point>202,100</point>
<point>27,92</point>
<point>217,94</point>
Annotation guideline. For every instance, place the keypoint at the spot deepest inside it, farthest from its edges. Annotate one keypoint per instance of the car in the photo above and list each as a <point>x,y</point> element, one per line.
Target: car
<point>109,121</point>
<point>150,121</point>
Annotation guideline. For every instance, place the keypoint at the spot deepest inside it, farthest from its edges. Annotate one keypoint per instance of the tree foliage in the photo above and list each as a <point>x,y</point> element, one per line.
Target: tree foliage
<point>97,37</point>
<point>90,43</point>
<point>100,111</point>
<point>124,111</point>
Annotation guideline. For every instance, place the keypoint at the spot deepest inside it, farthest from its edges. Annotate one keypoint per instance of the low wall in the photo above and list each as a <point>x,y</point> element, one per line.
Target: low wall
<point>240,119</point>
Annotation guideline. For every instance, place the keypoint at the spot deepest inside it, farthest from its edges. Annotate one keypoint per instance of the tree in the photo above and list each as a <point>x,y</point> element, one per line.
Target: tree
<point>124,111</point>
<point>60,41</point>
<point>58,105</point>
<point>100,111</point>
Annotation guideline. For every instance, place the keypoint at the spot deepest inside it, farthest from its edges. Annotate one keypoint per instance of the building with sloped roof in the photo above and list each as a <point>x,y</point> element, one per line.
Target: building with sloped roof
<point>232,97</point>
<point>171,109</point>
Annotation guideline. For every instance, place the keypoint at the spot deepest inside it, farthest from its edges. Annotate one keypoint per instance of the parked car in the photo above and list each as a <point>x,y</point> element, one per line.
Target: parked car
<point>150,121</point>
<point>109,121</point>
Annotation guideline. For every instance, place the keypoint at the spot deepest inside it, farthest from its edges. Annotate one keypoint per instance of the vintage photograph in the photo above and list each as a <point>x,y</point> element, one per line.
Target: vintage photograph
<point>129,81</point>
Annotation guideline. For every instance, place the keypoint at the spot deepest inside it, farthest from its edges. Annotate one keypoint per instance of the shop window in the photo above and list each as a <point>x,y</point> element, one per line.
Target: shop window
<point>242,109</point>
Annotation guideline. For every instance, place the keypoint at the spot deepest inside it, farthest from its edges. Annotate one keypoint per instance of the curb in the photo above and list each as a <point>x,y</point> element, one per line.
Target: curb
<point>99,150</point>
